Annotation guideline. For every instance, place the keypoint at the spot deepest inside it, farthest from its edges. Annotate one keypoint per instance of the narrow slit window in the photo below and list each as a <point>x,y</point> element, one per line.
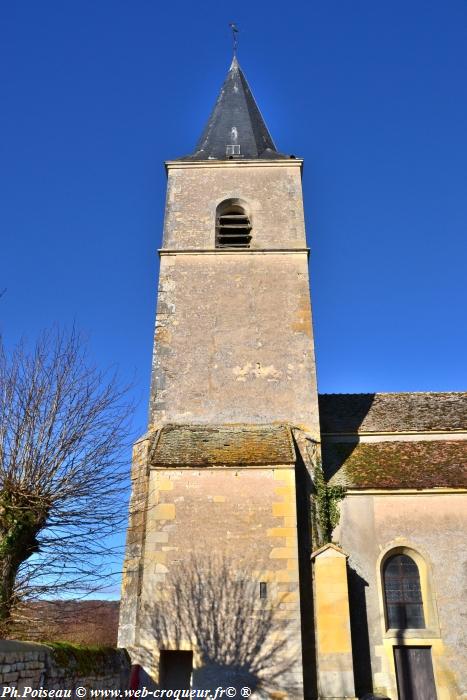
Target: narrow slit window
<point>263,589</point>
<point>233,228</point>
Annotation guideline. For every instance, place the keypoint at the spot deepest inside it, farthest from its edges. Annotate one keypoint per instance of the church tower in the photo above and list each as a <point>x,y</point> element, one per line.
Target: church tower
<point>233,339</point>
<point>216,587</point>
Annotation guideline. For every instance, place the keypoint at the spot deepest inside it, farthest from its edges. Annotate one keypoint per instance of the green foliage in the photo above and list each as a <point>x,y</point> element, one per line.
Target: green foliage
<point>19,522</point>
<point>21,518</point>
<point>327,499</point>
<point>14,522</point>
<point>83,660</point>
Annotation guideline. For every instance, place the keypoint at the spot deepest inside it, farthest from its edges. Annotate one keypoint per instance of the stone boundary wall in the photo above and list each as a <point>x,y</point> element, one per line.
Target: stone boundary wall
<point>30,665</point>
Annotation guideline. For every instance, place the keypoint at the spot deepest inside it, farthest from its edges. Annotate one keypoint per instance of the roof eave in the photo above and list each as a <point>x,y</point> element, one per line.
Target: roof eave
<point>246,162</point>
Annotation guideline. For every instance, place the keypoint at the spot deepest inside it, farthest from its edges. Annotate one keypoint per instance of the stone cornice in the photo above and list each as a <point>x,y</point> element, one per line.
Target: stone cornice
<point>282,163</point>
<point>232,251</point>
<point>408,436</point>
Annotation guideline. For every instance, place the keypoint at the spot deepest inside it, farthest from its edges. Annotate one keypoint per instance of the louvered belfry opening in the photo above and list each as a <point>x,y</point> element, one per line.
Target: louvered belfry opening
<point>233,228</point>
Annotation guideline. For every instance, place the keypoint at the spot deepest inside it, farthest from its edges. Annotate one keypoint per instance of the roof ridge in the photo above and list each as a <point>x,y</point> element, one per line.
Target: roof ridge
<point>393,412</point>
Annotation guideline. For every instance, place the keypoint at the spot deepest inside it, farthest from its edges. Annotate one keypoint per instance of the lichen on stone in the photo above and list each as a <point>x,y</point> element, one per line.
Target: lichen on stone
<point>82,660</point>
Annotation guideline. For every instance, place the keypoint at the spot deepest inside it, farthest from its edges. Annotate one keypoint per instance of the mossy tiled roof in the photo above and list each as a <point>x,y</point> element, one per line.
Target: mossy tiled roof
<point>191,445</point>
<point>423,464</point>
<point>403,412</point>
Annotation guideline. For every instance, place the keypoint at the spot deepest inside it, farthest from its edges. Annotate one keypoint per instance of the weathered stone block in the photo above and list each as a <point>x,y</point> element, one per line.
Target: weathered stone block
<point>164,511</point>
<point>10,677</point>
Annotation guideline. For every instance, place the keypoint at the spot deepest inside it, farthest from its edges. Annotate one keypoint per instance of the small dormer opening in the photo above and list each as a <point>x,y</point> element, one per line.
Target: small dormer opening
<point>233,227</point>
<point>232,150</point>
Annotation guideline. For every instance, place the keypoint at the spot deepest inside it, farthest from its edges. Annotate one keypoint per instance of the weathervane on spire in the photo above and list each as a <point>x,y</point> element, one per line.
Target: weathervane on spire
<point>234,29</point>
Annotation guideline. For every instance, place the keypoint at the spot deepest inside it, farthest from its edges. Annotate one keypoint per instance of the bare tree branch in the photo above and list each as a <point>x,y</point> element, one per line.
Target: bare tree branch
<point>64,427</point>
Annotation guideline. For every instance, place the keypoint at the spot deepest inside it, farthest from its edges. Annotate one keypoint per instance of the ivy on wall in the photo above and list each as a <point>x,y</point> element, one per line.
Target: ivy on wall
<point>326,512</point>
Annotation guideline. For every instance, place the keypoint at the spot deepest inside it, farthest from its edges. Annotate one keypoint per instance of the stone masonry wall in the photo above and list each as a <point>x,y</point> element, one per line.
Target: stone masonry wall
<point>197,521</point>
<point>27,665</point>
<point>271,191</point>
<point>234,337</point>
<point>431,528</point>
<point>234,341</point>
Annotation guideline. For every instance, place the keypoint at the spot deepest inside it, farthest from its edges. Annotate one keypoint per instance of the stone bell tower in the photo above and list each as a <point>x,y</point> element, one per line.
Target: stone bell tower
<point>213,540</point>
<point>233,337</point>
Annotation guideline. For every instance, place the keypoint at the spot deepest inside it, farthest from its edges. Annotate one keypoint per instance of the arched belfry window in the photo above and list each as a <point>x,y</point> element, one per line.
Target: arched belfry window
<point>402,593</point>
<point>233,225</point>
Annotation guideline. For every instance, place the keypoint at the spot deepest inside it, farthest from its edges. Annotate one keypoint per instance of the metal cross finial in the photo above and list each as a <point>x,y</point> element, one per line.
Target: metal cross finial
<point>234,29</point>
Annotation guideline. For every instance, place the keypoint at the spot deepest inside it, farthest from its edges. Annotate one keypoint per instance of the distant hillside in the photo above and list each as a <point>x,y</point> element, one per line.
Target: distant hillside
<point>78,621</point>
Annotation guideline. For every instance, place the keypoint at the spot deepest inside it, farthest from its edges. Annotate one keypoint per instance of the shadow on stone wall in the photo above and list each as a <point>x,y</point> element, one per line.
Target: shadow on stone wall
<point>344,413</point>
<point>359,632</point>
<point>304,494</point>
<point>238,638</point>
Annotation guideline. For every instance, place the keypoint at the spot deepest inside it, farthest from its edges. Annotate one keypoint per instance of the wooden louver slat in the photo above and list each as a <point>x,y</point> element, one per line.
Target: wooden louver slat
<point>233,231</point>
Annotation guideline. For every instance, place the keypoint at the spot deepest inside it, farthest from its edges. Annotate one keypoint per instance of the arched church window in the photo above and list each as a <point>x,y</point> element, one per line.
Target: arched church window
<point>233,226</point>
<point>402,593</point>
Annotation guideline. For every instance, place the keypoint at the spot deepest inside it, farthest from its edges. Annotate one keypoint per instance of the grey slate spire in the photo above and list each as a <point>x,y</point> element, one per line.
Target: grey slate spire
<point>235,128</point>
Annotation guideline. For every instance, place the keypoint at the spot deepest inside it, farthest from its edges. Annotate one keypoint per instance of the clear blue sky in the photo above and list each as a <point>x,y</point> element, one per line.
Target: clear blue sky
<point>96,95</point>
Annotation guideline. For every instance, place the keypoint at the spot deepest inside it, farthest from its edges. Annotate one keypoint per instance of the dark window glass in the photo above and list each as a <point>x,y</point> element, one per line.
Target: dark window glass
<point>402,593</point>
